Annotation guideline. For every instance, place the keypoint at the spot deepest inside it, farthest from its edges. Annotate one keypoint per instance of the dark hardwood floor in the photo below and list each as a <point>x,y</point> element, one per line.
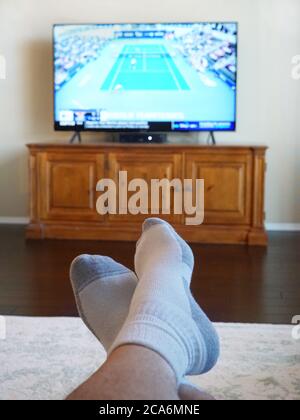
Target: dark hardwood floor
<point>232,283</point>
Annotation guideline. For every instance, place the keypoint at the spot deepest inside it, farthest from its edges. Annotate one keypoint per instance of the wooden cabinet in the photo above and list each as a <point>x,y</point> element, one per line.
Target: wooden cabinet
<point>145,165</point>
<point>63,198</point>
<point>67,185</point>
<point>228,185</point>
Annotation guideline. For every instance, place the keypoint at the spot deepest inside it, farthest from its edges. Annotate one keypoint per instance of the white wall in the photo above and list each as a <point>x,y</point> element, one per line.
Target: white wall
<point>268,101</point>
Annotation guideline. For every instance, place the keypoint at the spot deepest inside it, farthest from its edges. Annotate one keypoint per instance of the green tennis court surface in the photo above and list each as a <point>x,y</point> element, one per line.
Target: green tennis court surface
<point>147,67</point>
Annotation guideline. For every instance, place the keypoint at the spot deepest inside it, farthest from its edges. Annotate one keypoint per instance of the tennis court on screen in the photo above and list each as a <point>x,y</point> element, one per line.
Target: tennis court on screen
<point>144,67</point>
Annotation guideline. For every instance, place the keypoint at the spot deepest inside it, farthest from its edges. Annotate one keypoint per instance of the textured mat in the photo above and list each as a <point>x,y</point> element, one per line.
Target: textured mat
<point>47,358</point>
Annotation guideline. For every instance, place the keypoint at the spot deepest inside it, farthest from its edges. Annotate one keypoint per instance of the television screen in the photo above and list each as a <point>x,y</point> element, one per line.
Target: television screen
<point>145,77</point>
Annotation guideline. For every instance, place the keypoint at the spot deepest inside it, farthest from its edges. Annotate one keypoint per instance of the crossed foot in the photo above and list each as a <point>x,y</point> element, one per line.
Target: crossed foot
<point>152,307</point>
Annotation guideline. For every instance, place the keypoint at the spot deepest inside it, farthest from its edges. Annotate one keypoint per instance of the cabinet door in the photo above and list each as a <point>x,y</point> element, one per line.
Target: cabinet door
<point>147,166</point>
<point>67,186</point>
<point>228,186</point>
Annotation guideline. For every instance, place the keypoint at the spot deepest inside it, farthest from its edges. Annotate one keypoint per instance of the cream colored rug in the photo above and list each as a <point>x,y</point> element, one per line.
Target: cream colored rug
<point>46,358</point>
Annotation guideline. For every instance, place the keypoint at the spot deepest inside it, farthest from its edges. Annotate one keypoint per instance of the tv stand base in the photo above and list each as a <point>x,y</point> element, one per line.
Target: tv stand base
<point>76,136</point>
<point>143,138</point>
<point>212,138</point>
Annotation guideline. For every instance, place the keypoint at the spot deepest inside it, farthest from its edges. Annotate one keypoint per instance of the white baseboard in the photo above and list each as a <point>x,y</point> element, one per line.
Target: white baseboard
<point>271,227</point>
<point>14,220</point>
<point>283,227</point>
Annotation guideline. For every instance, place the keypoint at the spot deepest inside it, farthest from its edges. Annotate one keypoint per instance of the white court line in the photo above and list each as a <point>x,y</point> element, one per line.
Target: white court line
<point>144,63</point>
<point>84,81</point>
<point>173,74</point>
<point>77,104</point>
<point>142,71</point>
<point>118,71</point>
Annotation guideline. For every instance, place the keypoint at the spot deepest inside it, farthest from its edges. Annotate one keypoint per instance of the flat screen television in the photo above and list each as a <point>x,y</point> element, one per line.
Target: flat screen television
<point>159,77</point>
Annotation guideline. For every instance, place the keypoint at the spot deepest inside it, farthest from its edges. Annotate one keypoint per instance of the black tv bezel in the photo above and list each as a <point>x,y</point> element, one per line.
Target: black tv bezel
<point>162,125</point>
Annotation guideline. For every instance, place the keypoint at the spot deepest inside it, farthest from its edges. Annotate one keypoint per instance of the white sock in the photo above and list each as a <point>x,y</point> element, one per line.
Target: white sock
<point>160,316</point>
<point>103,292</point>
<point>204,325</point>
